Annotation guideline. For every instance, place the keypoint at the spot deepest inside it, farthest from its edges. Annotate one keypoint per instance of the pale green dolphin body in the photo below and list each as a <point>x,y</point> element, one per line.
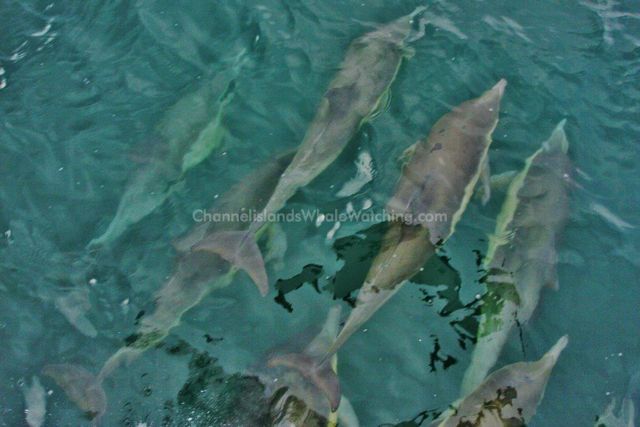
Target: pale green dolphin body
<point>197,273</point>
<point>509,397</point>
<point>439,178</point>
<point>192,129</point>
<point>358,92</point>
<point>521,258</point>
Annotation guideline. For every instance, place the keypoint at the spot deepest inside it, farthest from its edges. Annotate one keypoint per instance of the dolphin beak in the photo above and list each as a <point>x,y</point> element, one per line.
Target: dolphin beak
<point>493,96</point>
<point>499,87</point>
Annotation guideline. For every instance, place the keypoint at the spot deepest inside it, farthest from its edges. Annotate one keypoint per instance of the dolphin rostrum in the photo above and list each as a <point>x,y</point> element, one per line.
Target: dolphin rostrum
<point>521,258</point>
<point>507,397</point>
<point>358,92</point>
<point>438,179</point>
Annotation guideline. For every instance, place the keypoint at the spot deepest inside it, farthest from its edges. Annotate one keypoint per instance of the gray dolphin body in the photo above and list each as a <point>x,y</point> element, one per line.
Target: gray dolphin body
<point>439,178</point>
<point>434,190</point>
<point>192,129</point>
<point>508,397</point>
<point>359,91</point>
<point>521,258</point>
<point>197,273</point>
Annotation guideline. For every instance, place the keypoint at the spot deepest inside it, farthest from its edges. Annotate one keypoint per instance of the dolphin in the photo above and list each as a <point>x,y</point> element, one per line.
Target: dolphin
<point>357,93</point>
<point>192,129</point>
<point>521,257</point>
<point>196,274</point>
<point>438,179</point>
<point>507,397</point>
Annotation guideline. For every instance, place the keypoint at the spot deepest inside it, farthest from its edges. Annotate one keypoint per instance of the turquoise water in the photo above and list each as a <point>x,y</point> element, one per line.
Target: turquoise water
<point>89,87</point>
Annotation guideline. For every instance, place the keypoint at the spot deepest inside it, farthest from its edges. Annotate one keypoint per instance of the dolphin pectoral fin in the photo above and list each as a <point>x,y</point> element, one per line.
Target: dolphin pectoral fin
<point>499,182</point>
<point>485,178</point>
<point>502,180</point>
<point>276,243</point>
<point>320,374</point>
<point>240,249</point>
<point>407,154</point>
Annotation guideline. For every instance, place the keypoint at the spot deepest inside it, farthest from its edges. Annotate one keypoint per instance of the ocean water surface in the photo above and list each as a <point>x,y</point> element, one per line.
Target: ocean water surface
<point>97,97</point>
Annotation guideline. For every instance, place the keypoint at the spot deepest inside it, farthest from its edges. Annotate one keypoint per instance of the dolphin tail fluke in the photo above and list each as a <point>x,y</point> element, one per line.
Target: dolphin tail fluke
<point>240,249</point>
<point>81,387</point>
<point>320,374</point>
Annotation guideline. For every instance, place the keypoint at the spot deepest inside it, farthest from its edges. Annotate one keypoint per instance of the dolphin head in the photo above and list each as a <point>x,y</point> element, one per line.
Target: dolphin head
<point>557,142</point>
<point>482,112</point>
<point>396,31</point>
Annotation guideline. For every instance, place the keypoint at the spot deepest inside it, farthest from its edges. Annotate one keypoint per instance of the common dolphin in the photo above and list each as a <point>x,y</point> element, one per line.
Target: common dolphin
<point>521,257</point>
<point>192,129</point>
<point>508,397</point>
<point>197,273</point>
<point>438,179</point>
<point>358,92</point>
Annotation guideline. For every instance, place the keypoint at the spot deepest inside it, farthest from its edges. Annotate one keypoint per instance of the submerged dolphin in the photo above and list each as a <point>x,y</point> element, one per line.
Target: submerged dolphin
<point>295,388</point>
<point>521,258</point>
<point>359,91</point>
<point>192,129</point>
<point>438,179</point>
<point>197,273</point>
<point>507,397</point>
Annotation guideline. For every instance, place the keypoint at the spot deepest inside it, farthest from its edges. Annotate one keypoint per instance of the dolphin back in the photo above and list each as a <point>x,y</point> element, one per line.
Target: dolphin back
<point>509,396</point>
<point>438,181</point>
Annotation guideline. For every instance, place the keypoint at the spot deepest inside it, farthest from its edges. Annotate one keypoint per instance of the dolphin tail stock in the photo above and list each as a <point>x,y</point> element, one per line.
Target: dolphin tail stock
<point>124,354</point>
<point>240,248</point>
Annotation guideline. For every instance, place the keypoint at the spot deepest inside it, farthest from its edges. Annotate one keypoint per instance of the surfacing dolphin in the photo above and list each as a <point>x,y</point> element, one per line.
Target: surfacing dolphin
<point>197,273</point>
<point>438,179</point>
<point>521,258</point>
<point>358,92</point>
<point>508,397</point>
